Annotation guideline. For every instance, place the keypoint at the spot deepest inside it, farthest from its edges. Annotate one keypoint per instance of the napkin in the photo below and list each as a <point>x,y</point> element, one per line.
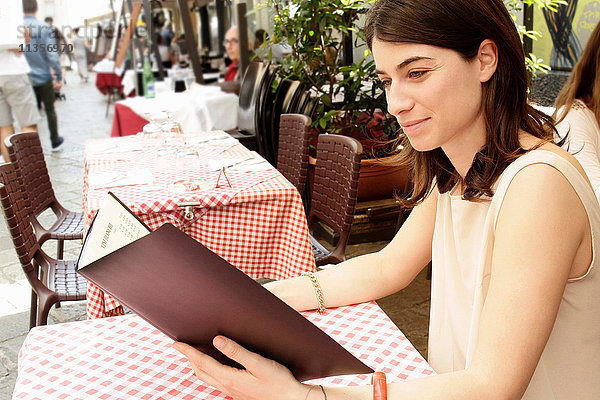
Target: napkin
<point>204,139</point>
<point>252,165</point>
<point>115,178</point>
<point>218,164</point>
<point>111,146</point>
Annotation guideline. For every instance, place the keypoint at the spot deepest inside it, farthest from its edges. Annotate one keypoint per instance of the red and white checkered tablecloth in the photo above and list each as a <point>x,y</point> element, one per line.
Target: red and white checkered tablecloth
<point>126,358</point>
<point>258,224</point>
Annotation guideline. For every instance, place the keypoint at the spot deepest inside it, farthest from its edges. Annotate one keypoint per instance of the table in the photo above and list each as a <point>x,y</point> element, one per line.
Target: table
<point>202,108</point>
<point>129,79</point>
<point>258,224</point>
<point>125,357</point>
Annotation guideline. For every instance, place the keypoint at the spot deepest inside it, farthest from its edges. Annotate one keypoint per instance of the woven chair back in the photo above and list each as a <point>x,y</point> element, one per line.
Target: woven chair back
<point>336,182</point>
<point>292,157</point>
<point>17,216</point>
<point>25,151</point>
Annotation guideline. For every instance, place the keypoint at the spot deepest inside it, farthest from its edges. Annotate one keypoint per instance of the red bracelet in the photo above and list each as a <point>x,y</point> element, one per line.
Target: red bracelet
<point>379,386</point>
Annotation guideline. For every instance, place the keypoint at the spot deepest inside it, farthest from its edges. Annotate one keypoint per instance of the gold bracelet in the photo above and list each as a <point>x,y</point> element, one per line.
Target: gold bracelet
<point>318,290</point>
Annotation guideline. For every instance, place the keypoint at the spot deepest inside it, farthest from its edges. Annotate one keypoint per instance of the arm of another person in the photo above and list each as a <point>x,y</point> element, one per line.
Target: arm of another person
<point>370,276</point>
<point>584,143</point>
<point>540,230</point>
<point>50,51</point>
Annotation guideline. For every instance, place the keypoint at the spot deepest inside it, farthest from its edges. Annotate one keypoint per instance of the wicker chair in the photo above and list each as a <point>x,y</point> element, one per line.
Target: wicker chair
<point>58,280</point>
<point>334,192</point>
<point>25,152</point>
<point>292,157</point>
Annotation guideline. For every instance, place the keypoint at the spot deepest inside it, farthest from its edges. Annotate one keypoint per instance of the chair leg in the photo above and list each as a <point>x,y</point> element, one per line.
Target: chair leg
<point>60,249</point>
<point>45,306</point>
<point>33,310</point>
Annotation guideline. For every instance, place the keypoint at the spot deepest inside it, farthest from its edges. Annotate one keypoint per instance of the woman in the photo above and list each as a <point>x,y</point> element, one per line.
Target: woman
<point>578,110</point>
<point>80,47</point>
<point>507,218</point>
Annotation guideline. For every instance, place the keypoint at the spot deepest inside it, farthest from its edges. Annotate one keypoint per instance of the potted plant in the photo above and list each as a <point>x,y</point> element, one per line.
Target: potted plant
<point>321,37</point>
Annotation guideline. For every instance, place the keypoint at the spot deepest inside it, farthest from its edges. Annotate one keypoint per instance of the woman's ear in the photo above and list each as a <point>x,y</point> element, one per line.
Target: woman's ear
<point>488,59</point>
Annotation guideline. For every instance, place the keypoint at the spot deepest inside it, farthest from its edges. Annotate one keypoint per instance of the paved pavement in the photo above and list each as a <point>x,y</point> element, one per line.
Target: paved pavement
<point>82,116</point>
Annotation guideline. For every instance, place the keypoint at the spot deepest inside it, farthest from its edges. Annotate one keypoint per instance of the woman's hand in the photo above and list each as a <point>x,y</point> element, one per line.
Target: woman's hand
<point>263,379</point>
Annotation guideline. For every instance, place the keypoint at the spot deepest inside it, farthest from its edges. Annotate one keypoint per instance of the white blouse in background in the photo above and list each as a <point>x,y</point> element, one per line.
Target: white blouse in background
<point>583,140</point>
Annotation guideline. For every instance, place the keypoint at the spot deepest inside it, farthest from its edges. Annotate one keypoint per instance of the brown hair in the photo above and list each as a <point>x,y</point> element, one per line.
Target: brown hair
<point>584,81</point>
<point>461,25</point>
<point>30,6</point>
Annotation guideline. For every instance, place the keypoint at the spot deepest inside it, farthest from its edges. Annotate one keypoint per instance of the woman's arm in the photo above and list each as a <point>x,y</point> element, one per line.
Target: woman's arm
<point>370,276</point>
<point>540,229</point>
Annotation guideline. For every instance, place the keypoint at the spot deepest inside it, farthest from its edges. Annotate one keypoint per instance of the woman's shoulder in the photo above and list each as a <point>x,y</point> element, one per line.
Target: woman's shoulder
<point>576,112</point>
<point>546,162</point>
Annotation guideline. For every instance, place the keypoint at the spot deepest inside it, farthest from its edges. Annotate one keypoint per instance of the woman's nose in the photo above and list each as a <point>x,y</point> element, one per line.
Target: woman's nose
<point>398,99</point>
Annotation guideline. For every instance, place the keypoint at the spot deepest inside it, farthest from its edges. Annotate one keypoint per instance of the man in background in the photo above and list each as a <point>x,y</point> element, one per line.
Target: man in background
<point>44,55</point>
<point>16,96</point>
<point>167,34</point>
<point>62,43</point>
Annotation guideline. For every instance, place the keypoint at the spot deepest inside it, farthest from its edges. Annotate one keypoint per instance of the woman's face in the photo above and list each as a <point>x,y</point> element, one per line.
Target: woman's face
<point>232,46</point>
<point>434,94</point>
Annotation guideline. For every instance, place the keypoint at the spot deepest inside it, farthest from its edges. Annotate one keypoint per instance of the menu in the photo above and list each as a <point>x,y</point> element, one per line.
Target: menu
<point>192,295</point>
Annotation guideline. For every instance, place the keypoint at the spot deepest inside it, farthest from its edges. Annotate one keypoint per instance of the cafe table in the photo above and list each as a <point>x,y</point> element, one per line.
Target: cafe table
<point>201,108</point>
<point>126,358</point>
<point>254,218</point>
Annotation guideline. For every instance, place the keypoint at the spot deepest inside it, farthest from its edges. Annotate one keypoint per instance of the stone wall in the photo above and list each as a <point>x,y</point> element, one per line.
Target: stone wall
<point>545,87</point>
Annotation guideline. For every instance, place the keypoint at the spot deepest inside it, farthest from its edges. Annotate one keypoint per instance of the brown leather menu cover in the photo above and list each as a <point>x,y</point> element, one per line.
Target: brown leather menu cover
<point>191,294</point>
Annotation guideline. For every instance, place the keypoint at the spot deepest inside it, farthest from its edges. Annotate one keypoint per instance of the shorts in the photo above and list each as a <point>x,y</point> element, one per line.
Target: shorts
<point>17,97</point>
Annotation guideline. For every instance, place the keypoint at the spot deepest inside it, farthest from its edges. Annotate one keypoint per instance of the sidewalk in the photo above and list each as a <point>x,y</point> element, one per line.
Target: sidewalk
<point>81,117</point>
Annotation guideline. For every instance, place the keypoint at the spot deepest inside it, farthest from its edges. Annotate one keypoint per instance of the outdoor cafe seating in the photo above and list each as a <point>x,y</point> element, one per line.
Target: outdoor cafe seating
<point>51,280</point>
<point>211,184</point>
<point>25,151</point>
<point>124,356</point>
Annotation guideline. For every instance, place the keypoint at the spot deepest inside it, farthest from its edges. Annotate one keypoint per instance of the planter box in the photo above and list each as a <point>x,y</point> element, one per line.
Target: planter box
<point>380,181</point>
<point>373,221</point>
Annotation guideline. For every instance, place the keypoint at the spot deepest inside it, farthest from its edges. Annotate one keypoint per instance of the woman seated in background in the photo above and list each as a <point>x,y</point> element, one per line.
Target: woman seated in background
<point>578,110</point>
<point>166,56</point>
<point>507,218</point>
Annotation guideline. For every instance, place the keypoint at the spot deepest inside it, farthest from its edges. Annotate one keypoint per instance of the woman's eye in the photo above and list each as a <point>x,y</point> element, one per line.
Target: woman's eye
<point>416,74</point>
<point>386,83</point>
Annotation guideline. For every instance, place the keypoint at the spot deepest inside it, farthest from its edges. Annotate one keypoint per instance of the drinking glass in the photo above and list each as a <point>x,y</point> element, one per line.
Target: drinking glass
<point>152,129</point>
<point>171,129</point>
<point>189,79</point>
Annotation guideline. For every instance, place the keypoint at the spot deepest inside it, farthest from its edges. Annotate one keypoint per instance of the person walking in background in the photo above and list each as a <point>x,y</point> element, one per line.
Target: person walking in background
<point>63,47</point>
<point>80,54</point>
<point>167,34</point>
<point>41,59</point>
<point>166,56</point>
<point>577,110</point>
<point>16,96</point>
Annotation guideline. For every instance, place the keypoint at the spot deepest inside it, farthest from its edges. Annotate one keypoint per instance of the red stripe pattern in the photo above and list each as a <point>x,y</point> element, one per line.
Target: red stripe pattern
<point>124,357</point>
<point>258,224</point>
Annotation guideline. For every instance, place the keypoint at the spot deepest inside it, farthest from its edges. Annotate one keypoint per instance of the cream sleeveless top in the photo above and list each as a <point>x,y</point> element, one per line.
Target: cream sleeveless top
<point>463,243</point>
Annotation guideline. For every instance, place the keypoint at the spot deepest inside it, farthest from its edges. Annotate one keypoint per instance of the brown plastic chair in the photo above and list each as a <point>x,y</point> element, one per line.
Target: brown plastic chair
<point>58,280</point>
<point>25,152</point>
<point>292,157</point>
<point>334,192</point>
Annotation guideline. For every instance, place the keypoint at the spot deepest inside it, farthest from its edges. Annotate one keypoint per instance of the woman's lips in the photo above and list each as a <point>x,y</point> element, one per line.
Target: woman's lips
<point>411,126</point>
